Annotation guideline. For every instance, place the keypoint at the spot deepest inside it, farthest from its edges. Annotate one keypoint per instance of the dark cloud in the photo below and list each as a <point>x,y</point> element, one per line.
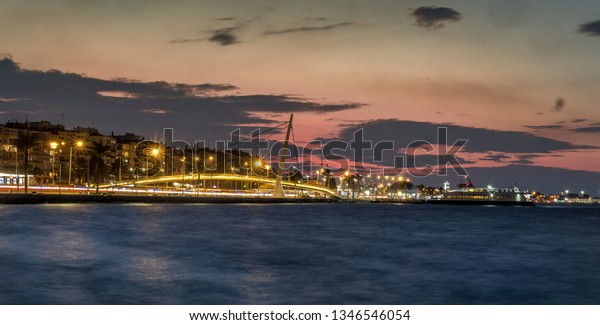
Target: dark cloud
<point>305,29</point>
<point>196,111</point>
<point>520,159</point>
<point>186,40</point>
<point>434,17</point>
<point>591,28</point>
<point>589,129</point>
<point>418,161</point>
<point>523,161</point>
<point>527,159</point>
<point>226,18</point>
<point>559,104</point>
<point>410,137</point>
<point>496,157</point>
<point>545,127</point>
<point>225,36</point>
<point>479,140</point>
<point>578,120</point>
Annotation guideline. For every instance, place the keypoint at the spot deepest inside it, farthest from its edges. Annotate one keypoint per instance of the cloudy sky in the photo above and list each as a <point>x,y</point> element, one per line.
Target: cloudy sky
<point>519,79</point>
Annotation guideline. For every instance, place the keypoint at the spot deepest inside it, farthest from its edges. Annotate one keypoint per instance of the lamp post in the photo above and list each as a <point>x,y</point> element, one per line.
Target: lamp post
<point>120,167</point>
<point>211,159</point>
<point>234,181</point>
<point>196,160</point>
<point>87,180</point>
<point>183,177</point>
<point>53,146</point>
<point>257,164</point>
<point>154,152</point>
<point>78,144</point>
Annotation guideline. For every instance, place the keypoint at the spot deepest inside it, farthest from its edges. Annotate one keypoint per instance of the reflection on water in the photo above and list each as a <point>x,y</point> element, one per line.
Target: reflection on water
<point>298,254</point>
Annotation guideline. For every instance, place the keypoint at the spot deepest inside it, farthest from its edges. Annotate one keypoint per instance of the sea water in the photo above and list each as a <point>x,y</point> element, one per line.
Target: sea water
<point>298,254</point>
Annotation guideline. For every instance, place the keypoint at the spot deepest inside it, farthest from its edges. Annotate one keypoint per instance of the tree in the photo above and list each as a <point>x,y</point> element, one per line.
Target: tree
<point>328,178</point>
<point>97,152</point>
<point>402,186</point>
<point>80,167</point>
<point>353,182</point>
<point>25,142</point>
<point>294,175</point>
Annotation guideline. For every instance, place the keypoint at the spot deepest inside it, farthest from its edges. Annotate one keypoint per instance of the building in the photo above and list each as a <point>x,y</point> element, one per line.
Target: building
<point>61,156</point>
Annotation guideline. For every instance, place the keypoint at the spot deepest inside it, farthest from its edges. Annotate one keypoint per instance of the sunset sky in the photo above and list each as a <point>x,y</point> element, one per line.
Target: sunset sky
<point>519,79</point>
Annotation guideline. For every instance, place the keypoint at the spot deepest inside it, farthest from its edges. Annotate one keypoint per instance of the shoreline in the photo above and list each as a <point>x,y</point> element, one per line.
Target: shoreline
<point>53,198</point>
<point>21,198</point>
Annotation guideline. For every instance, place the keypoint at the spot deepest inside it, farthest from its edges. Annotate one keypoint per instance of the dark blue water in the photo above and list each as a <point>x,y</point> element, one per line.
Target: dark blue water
<point>298,254</point>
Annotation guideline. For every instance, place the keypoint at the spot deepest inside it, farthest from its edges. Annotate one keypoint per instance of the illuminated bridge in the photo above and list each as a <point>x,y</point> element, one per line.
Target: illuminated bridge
<point>268,184</point>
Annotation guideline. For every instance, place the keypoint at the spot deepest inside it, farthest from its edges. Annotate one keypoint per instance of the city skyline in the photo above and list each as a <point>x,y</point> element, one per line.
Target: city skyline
<point>517,79</point>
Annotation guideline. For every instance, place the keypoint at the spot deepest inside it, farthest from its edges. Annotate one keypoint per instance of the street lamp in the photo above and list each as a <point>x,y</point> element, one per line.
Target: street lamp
<point>212,166</point>
<point>79,144</point>
<point>53,146</point>
<point>254,162</point>
<point>183,177</point>
<point>154,152</point>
